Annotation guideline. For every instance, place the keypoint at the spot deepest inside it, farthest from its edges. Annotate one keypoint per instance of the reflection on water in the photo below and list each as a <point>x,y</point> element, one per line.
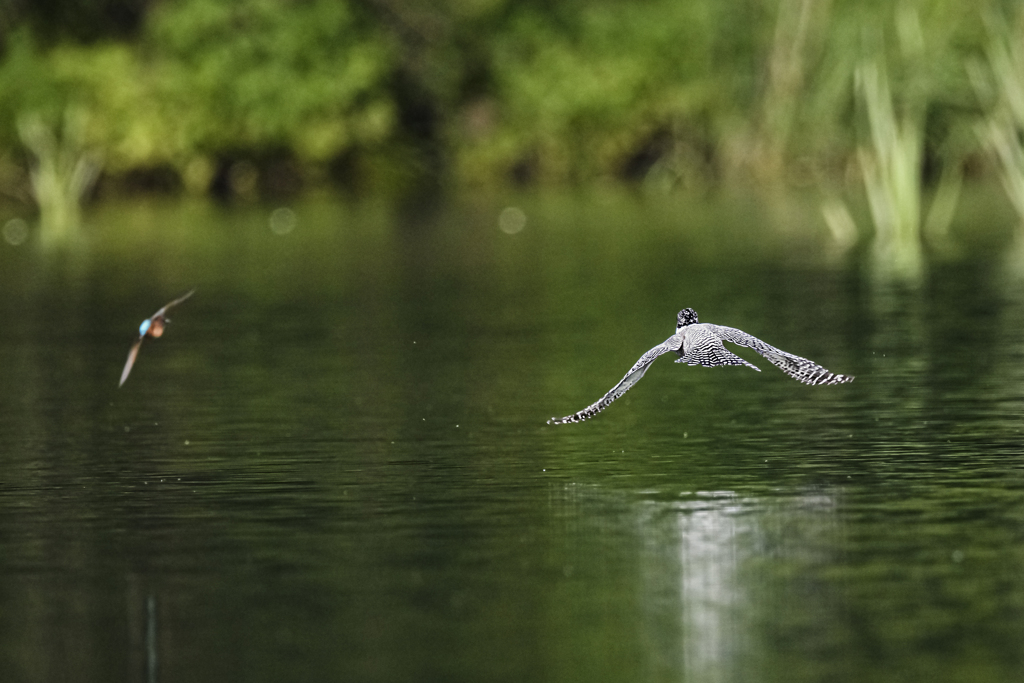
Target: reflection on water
<point>710,549</point>
<point>151,643</point>
<point>704,579</point>
<point>338,467</point>
<point>693,551</point>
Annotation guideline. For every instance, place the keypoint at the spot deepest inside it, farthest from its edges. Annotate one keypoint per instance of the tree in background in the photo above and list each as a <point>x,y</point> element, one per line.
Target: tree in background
<point>243,96</point>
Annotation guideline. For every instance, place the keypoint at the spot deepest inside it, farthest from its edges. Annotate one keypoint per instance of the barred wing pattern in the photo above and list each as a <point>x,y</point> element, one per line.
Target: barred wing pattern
<point>702,346</point>
<point>800,369</point>
<point>631,378</point>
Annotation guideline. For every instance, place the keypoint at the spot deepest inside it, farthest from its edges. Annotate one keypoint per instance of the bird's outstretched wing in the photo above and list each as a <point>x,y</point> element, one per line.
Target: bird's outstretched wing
<point>131,360</point>
<point>800,369</point>
<point>174,303</point>
<point>631,378</point>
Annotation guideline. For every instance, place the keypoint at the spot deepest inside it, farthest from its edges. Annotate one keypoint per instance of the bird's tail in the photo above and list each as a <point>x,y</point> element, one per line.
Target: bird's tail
<point>722,356</point>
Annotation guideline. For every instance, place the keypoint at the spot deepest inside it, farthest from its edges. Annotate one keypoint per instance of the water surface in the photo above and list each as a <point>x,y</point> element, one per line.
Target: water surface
<point>335,464</point>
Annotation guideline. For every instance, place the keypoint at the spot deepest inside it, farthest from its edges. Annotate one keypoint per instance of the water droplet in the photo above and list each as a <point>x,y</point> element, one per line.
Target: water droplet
<point>511,220</point>
<point>15,232</point>
<point>282,221</point>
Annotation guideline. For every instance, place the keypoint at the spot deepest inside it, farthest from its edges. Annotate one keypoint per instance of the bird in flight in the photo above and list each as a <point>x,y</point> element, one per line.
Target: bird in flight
<point>701,344</point>
<point>150,327</point>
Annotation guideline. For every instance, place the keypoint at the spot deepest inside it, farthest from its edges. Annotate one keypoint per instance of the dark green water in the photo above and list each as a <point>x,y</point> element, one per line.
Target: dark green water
<point>335,464</point>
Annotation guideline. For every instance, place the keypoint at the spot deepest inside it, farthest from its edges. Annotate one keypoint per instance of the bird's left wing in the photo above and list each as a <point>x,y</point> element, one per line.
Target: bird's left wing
<point>800,369</point>
<point>631,378</point>
<point>131,360</point>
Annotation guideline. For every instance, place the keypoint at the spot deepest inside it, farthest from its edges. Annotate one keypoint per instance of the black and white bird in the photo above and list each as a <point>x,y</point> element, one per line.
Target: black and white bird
<point>701,344</point>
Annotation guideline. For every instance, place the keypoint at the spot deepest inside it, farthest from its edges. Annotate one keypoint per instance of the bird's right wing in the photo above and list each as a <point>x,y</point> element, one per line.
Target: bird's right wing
<point>631,378</point>
<point>131,360</point>
<point>797,367</point>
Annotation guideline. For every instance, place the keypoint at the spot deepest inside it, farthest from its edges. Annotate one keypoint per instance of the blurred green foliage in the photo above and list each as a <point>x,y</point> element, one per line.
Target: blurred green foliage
<point>63,171</point>
<point>229,94</point>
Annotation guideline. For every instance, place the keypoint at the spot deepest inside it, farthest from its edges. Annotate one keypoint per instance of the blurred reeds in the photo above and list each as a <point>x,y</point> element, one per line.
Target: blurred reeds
<point>1002,84</point>
<point>891,169</point>
<point>471,94</point>
<point>62,172</point>
<point>892,155</point>
<point>391,95</point>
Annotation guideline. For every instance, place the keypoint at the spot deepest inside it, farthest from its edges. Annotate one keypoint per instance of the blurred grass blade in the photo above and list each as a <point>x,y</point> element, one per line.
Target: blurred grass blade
<point>891,171</point>
<point>62,173</point>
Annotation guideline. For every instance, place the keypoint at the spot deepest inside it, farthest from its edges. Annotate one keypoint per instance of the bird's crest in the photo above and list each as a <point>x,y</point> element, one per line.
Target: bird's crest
<point>687,316</point>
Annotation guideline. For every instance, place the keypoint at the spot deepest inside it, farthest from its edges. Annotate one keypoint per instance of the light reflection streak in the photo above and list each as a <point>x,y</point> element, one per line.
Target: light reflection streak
<point>698,576</point>
<point>710,550</point>
<point>704,566</point>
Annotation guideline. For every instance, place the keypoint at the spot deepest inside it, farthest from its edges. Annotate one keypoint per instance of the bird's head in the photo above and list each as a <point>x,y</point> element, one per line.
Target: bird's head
<point>687,316</point>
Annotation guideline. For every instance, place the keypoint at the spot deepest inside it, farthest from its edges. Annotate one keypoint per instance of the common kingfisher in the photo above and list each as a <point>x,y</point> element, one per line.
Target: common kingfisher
<point>701,344</point>
<point>150,327</point>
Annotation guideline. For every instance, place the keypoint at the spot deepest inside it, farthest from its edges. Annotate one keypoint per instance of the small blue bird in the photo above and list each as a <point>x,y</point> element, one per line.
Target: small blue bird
<point>150,327</point>
<point>699,343</point>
